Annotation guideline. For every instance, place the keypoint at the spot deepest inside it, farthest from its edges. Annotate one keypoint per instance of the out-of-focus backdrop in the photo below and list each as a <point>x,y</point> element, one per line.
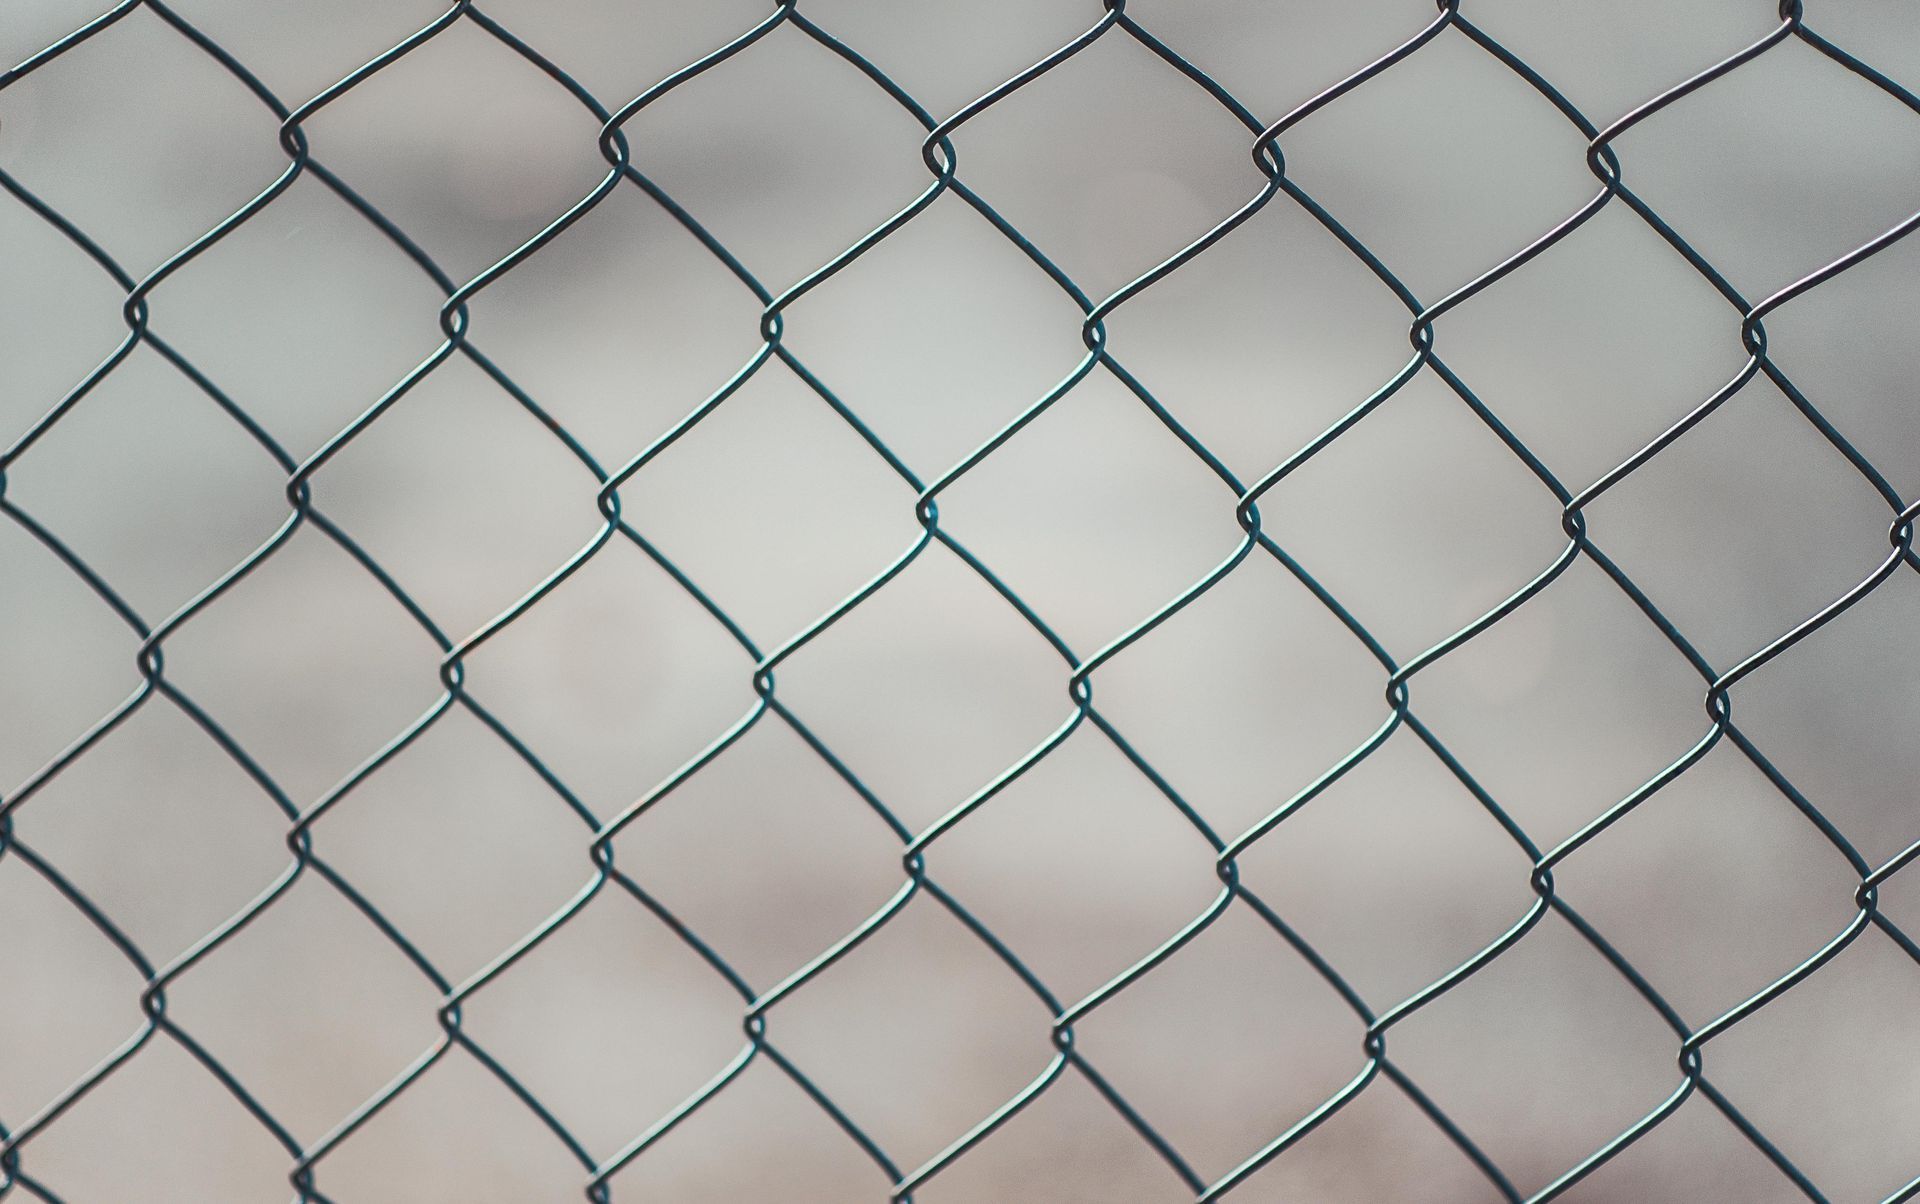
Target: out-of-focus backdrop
<point>1418,520</point>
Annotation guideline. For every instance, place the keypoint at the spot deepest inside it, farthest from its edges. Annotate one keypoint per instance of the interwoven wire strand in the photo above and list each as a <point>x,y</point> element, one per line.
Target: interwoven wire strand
<point>1268,182</point>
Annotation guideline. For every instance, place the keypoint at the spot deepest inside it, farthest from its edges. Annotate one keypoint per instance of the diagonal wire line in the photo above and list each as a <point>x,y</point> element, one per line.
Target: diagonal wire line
<point>1047,1078</point>
<point>295,143</point>
<point>1719,686</point>
<point>939,154</point>
<point>602,850</point>
<point>150,657</point>
<point>1423,341</point>
<point>1094,332</point>
<point>763,681</point>
<point>153,997</point>
<point>1718,701</point>
<point>1507,266</point>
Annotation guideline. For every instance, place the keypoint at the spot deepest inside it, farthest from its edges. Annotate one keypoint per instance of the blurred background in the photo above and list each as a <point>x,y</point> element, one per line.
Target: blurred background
<point>1418,520</point>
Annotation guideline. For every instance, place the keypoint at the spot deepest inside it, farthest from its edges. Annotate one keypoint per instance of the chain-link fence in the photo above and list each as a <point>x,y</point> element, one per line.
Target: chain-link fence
<point>1149,575</point>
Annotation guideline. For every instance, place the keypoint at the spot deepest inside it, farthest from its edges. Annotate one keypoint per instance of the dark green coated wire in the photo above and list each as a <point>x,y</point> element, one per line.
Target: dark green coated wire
<point>939,152</point>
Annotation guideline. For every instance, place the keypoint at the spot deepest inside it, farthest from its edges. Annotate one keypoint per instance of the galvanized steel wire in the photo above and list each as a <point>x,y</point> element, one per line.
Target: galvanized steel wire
<point>1268,182</point>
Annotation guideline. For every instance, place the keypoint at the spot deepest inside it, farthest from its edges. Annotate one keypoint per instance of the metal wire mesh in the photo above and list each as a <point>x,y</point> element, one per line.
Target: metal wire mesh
<point>897,1174</point>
